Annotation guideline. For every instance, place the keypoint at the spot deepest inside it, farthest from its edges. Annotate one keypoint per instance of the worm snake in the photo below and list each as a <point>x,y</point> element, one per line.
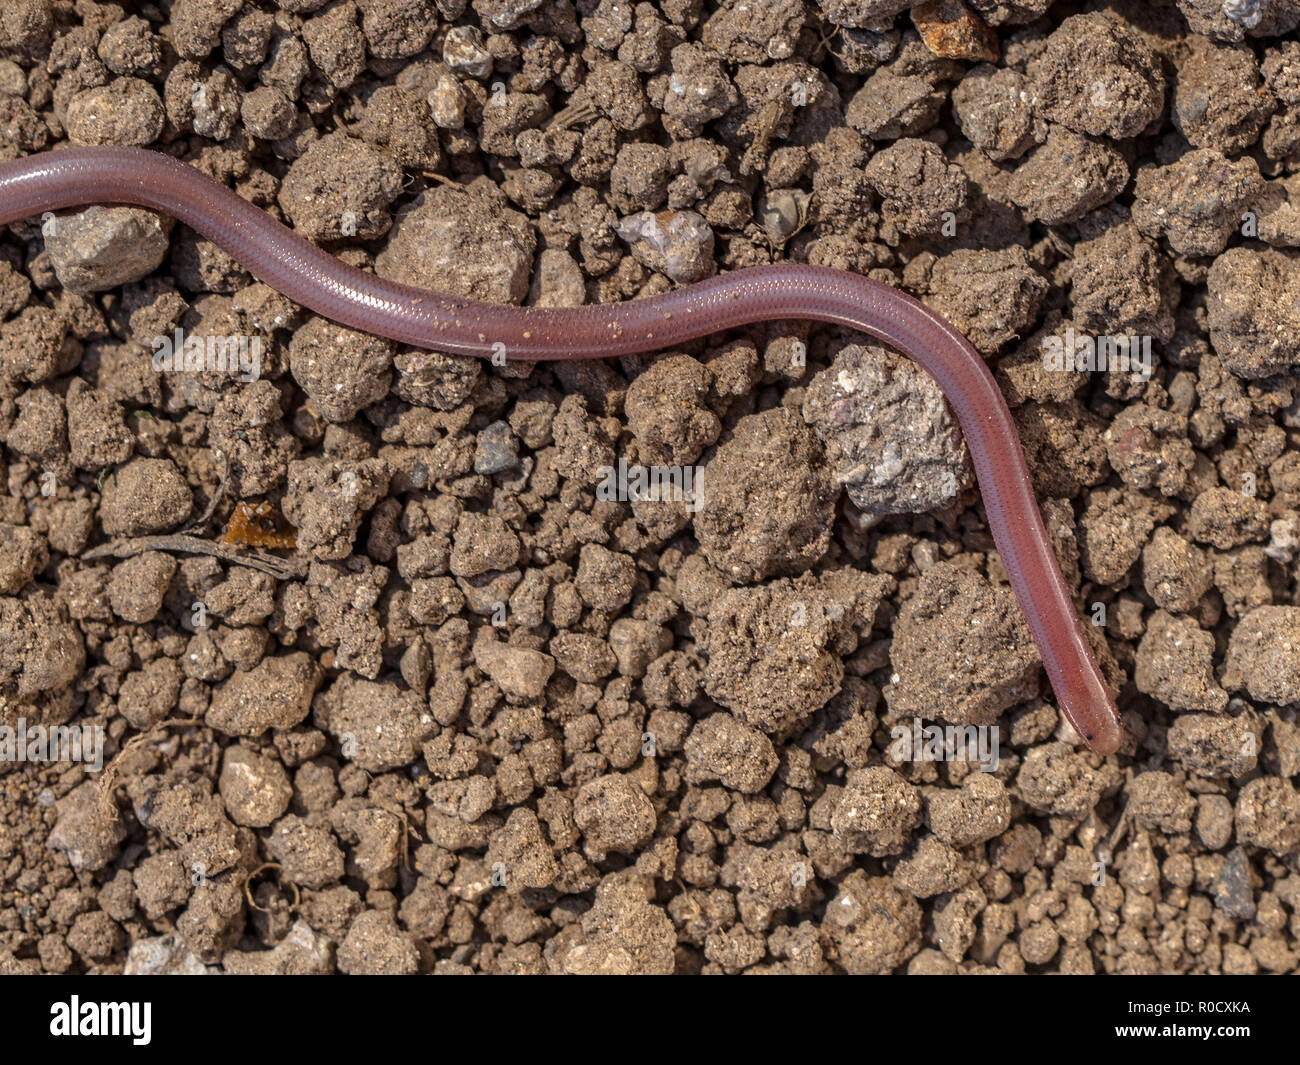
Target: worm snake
<point>314,278</point>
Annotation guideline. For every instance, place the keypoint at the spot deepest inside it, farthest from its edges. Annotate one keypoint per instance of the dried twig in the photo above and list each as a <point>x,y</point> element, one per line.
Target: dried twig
<point>248,892</point>
<point>573,115</point>
<point>408,831</point>
<point>444,179</point>
<point>281,568</point>
<point>222,477</point>
<point>825,43</point>
<point>109,780</point>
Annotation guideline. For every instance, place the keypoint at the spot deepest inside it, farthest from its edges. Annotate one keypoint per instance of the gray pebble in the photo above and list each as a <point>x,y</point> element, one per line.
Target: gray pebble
<point>1233,893</point>
<point>497,449</point>
<point>163,956</point>
<point>102,247</point>
<point>890,438</point>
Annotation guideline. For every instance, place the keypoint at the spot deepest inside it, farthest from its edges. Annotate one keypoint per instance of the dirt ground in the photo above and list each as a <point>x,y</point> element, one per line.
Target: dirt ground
<point>396,666</point>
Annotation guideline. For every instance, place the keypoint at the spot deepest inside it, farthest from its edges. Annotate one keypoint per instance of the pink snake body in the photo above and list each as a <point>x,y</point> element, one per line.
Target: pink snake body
<point>316,279</point>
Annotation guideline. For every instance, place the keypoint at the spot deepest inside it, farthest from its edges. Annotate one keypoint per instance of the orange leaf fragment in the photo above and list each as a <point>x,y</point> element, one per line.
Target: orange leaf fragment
<point>259,525</point>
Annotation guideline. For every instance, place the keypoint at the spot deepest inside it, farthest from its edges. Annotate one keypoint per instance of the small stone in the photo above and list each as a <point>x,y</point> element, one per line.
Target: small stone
<point>463,51</point>
<point>871,927</point>
<point>678,244</point>
<point>1214,821</point>
<point>783,213</point>
<point>1196,202</point>
<point>303,952</point>
<point>950,30</point>
<point>863,14</point>
<point>163,956</point>
<point>1268,815</point>
<point>768,499</point>
<point>1097,171</point>
<point>255,788</point>
<point>636,644</point>
<point>1251,308</point>
<point>890,437</point>
<point>699,91</point>
<point>976,812</point>
<point>1215,745</point>
<point>1233,891</point>
<point>994,108</point>
<point>461,244</point>
<point>335,46</point>
<point>1096,75</point>
<point>519,672</point>
<point>40,649</point>
<point>126,111</point>
<point>497,449</point>
<point>585,658</point>
<point>13,79</point>
<point>891,105</point>
<point>397,121</point>
<point>268,113</point>
<point>1174,664</point>
<point>622,933</point>
<point>921,191</point>
<point>1220,100</point>
<point>446,100</point>
<point>102,247</point>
